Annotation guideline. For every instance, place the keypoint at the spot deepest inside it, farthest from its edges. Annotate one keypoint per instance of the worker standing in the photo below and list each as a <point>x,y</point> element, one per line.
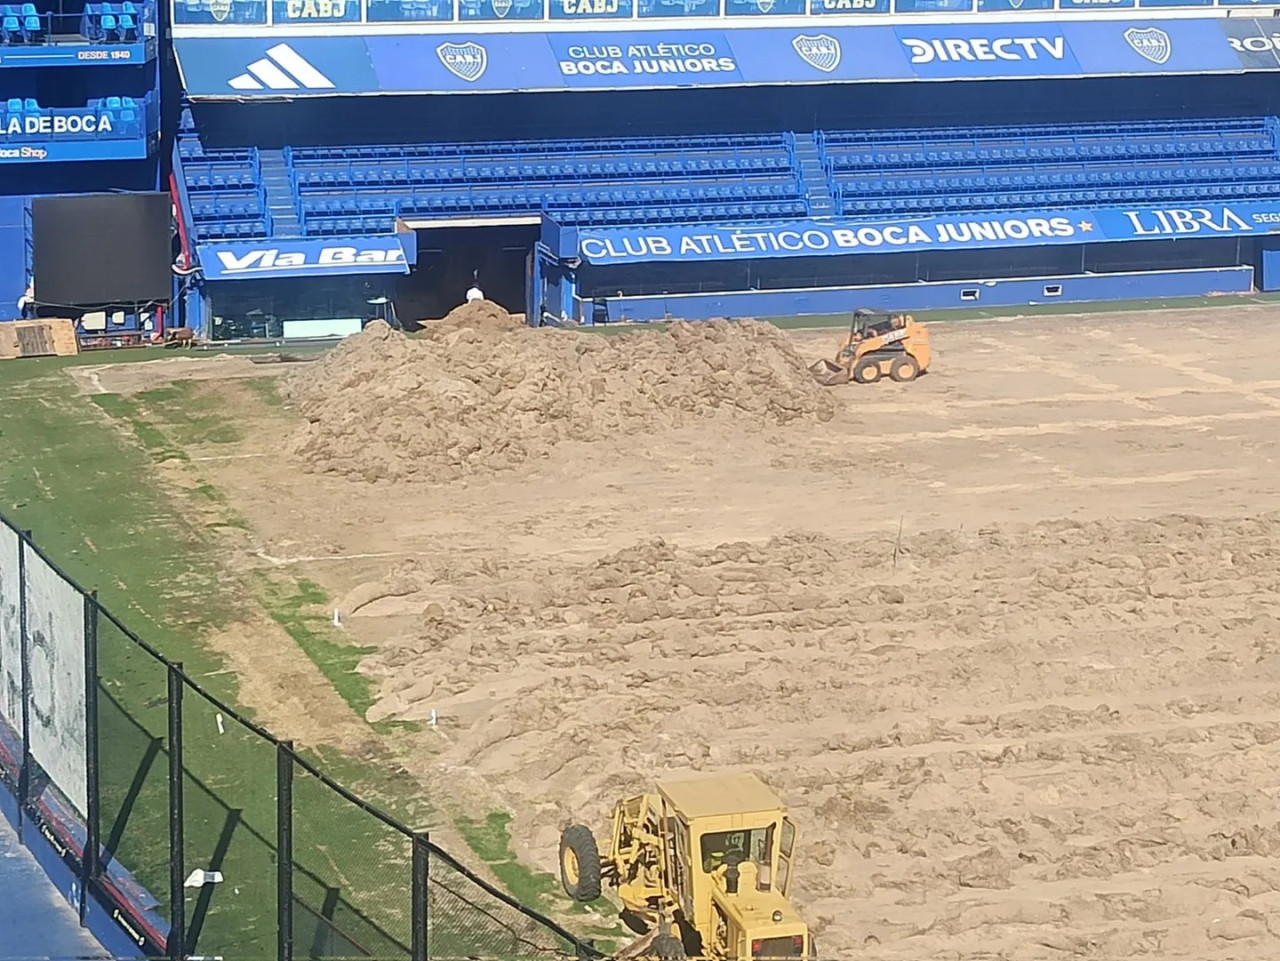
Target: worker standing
<point>474,292</point>
<point>27,303</point>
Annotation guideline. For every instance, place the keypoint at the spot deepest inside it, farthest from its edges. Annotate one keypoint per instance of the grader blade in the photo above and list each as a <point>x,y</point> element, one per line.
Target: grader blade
<point>637,948</point>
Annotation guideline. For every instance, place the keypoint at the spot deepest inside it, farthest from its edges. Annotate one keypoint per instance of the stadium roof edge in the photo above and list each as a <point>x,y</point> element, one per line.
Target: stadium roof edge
<point>284,69</point>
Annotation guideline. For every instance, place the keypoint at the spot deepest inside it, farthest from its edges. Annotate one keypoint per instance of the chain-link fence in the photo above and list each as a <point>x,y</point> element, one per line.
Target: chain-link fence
<point>201,834</point>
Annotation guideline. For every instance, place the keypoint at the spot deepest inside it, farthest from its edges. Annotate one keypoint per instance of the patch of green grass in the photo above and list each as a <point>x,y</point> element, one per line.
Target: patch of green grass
<point>292,604</point>
<point>490,839</point>
<point>266,389</point>
<point>90,494</point>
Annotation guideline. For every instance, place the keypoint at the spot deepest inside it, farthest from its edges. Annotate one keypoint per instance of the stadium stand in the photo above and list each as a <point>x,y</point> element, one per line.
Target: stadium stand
<point>24,24</point>
<point>1004,168</point>
<point>101,118</point>
<point>322,191</point>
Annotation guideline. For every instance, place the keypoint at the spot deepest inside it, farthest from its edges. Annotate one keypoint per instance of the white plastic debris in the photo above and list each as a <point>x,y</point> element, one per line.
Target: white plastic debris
<point>200,877</point>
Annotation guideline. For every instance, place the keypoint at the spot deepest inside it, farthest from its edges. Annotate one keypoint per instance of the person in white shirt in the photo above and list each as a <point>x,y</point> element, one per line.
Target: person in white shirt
<point>27,303</point>
<point>474,293</point>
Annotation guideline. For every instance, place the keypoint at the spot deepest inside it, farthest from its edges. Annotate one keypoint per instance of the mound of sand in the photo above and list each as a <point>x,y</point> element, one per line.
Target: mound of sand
<point>477,394</point>
<point>1004,744</point>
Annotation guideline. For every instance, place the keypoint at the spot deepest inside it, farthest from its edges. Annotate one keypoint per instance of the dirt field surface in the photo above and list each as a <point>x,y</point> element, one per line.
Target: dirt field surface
<point>1006,640</point>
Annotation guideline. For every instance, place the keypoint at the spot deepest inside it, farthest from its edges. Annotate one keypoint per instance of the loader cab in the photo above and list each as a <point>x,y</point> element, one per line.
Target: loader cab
<point>730,849</point>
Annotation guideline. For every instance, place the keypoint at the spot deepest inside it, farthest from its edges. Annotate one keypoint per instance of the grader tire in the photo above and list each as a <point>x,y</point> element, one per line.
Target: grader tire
<point>667,947</point>
<point>579,863</point>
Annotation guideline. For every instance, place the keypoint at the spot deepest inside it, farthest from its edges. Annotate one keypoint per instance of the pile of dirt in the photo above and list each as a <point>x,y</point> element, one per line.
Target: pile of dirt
<point>479,315</point>
<point>475,394</point>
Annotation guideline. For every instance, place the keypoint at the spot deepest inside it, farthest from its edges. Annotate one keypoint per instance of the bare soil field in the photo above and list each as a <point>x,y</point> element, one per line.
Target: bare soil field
<point>1006,639</point>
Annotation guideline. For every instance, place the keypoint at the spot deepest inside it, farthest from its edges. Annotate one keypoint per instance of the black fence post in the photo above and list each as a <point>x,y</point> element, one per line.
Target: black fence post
<point>89,867</point>
<point>421,879</point>
<point>176,943</point>
<point>284,851</point>
<point>24,772</point>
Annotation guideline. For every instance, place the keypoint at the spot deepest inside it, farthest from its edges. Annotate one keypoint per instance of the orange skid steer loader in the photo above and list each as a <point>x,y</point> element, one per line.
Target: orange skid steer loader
<point>878,345</point>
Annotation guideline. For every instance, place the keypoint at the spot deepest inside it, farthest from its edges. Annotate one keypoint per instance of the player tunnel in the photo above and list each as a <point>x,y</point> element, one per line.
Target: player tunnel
<point>494,255</point>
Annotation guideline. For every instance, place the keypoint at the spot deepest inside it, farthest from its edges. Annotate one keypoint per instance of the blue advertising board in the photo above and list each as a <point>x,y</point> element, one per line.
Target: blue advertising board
<point>75,150</point>
<point>680,244</point>
<point>497,62</point>
<point>260,259</point>
<point>69,55</point>
<point>205,17</point>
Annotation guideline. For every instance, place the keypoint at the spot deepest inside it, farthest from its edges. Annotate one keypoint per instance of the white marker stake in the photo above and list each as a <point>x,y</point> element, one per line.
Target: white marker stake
<point>337,621</point>
<point>221,729</point>
<point>432,722</point>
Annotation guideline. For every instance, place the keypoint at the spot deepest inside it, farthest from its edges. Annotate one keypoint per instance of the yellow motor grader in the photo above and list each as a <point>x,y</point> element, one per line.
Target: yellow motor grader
<point>702,868</point>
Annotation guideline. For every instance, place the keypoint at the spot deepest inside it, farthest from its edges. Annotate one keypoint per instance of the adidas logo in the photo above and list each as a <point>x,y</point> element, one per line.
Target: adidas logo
<point>283,68</point>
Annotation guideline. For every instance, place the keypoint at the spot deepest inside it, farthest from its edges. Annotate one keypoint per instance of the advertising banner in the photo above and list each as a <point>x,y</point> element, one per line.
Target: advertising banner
<point>69,55</point>
<point>334,256</point>
<point>55,654</point>
<point>10,630</point>
<point>573,60</point>
<point>683,244</point>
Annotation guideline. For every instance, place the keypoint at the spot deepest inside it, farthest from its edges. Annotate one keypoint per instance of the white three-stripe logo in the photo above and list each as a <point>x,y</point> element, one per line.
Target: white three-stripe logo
<point>281,69</point>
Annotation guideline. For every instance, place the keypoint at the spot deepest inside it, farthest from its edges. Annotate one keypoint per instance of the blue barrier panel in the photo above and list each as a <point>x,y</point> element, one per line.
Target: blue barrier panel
<point>54,152</point>
<point>820,7</point>
<point>589,9</point>
<point>501,10</point>
<point>60,55</point>
<point>316,11</point>
<point>1255,42</point>
<point>1093,6</point>
<point>488,62</point>
<point>945,295</point>
<point>679,243</point>
<point>307,258</point>
<point>211,12</point>
<point>1010,6</point>
<point>1176,46</point>
<point>933,6</point>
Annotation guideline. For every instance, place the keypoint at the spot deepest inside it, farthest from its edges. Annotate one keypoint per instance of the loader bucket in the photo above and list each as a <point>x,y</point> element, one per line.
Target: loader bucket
<point>829,374</point>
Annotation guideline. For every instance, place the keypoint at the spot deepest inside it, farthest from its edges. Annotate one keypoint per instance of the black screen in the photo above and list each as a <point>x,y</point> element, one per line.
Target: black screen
<point>101,249</point>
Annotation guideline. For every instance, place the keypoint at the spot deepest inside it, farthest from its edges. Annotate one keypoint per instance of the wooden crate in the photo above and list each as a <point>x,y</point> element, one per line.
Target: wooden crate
<point>38,338</point>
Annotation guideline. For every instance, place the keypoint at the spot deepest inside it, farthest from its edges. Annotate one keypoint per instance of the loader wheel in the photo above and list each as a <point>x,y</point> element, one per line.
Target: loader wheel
<point>667,947</point>
<point>579,863</point>
<point>904,368</point>
<point>867,371</point>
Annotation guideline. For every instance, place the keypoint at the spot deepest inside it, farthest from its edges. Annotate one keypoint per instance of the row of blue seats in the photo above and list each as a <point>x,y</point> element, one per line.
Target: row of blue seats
<point>222,177</point>
<point>16,31</point>
<point>31,105</point>
<point>1064,178</point>
<point>241,207</point>
<point>322,225</point>
<point>190,149</point>
<point>520,200</point>
<point>497,151</point>
<point>1051,199</point>
<point>348,226</point>
<point>353,176</point>
<point>236,230</point>
<point>1028,133</point>
<point>113,22</point>
<point>936,156</point>
<point>718,213</point>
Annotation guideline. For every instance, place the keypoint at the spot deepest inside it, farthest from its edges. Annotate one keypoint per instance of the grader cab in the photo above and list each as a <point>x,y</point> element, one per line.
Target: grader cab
<point>702,868</point>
